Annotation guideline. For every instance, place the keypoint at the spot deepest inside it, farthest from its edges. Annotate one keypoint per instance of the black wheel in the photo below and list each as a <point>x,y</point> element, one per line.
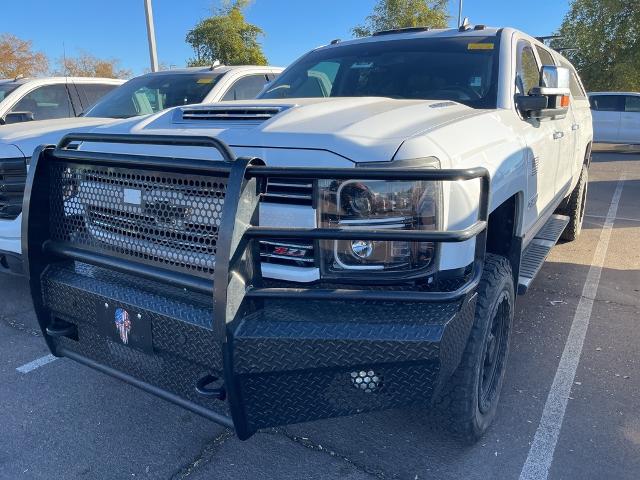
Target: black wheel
<point>470,398</point>
<point>575,207</point>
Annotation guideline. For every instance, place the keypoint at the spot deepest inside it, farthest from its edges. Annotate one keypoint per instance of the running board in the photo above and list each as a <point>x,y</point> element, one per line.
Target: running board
<point>538,249</point>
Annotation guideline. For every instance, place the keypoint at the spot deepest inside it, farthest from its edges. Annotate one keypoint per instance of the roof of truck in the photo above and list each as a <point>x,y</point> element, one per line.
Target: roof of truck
<point>478,30</point>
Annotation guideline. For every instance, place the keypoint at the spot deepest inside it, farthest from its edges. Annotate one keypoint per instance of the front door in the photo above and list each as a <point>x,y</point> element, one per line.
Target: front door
<point>541,151</point>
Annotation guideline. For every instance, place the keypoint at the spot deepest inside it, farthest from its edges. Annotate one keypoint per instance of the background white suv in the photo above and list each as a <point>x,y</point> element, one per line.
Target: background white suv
<point>616,117</point>
<point>26,99</point>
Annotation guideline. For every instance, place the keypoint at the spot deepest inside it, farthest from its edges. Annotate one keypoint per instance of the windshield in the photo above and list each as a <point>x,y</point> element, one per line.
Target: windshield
<point>6,89</point>
<point>152,93</point>
<point>462,69</point>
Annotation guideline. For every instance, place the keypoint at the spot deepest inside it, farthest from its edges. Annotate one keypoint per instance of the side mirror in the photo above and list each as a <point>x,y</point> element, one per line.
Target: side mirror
<point>555,77</point>
<point>17,117</point>
<point>552,96</point>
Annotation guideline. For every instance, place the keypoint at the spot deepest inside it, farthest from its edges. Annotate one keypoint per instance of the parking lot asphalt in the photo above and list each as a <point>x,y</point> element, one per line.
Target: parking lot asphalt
<point>62,420</point>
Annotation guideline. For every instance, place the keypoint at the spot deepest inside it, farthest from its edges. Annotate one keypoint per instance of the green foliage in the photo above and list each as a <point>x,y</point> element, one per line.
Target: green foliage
<point>389,14</point>
<point>606,35</point>
<point>228,37</point>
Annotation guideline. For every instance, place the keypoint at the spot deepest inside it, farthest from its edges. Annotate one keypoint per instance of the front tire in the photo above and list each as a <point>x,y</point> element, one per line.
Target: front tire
<point>470,399</point>
<point>575,207</point>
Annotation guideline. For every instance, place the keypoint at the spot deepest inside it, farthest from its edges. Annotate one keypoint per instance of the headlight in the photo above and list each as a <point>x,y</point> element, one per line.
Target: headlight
<point>377,204</point>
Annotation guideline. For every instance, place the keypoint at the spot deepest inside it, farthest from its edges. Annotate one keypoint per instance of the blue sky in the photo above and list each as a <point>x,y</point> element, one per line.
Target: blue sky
<point>116,28</point>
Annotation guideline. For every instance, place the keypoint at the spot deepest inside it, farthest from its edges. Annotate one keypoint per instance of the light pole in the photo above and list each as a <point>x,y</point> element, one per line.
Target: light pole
<point>151,35</point>
<point>460,14</point>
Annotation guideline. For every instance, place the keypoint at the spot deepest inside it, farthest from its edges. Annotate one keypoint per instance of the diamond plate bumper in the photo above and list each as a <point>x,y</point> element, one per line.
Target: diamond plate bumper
<point>291,365</point>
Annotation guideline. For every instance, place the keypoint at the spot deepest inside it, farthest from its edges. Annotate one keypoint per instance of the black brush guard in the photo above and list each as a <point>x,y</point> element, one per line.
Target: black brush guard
<point>230,349</point>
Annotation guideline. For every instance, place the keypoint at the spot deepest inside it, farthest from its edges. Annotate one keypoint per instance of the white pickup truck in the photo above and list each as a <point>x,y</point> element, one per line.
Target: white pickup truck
<point>351,241</point>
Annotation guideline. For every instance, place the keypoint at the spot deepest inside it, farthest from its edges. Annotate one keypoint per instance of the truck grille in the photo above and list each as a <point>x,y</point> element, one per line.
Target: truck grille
<point>169,220</point>
<point>13,173</point>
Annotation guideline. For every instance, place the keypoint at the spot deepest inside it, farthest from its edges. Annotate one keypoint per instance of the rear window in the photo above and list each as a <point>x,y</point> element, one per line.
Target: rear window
<point>632,103</point>
<point>607,103</point>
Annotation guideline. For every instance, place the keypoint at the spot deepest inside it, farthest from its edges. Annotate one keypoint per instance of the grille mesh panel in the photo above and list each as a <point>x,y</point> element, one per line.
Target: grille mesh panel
<point>165,219</point>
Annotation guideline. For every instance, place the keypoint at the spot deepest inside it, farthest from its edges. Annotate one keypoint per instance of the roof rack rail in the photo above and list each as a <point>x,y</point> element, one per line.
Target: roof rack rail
<point>544,38</point>
<point>400,30</point>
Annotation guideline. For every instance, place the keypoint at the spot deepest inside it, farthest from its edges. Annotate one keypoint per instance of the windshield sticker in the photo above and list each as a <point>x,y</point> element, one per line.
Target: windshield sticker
<point>205,80</point>
<point>362,65</point>
<point>480,46</point>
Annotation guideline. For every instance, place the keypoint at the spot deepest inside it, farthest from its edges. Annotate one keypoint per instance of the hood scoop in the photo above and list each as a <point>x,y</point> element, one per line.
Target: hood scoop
<point>241,114</point>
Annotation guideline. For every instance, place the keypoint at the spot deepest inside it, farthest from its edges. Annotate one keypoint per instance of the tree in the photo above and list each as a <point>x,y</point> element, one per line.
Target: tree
<point>18,58</point>
<point>87,65</point>
<point>606,38</point>
<point>389,14</point>
<point>228,37</point>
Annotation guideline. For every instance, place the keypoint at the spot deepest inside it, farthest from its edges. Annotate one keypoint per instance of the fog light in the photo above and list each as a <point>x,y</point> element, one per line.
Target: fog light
<point>366,380</point>
<point>362,248</point>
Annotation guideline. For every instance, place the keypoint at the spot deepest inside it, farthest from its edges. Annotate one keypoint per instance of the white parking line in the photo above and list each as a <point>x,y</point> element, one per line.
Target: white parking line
<point>37,363</point>
<point>538,462</point>
<point>624,219</point>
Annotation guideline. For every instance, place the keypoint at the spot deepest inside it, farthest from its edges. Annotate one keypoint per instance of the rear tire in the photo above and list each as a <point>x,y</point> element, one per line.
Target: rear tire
<point>470,398</point>
<point>575,207</point>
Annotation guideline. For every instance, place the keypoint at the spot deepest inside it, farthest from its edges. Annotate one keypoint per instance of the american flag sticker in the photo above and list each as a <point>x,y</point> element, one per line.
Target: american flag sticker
<point>123,324</point>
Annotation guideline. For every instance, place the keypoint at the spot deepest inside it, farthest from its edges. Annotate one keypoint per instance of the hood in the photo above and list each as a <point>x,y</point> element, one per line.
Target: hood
<point>28,135</point>
<point>360,129</point>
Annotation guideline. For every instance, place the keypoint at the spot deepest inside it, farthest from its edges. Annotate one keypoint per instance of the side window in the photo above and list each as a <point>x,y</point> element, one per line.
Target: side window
<point>90,93</point>
<point>527,69</point>
<point>50,101</point>
<point>577,91</point>
<point>246,88</point>
<point>545,56</point>
<point>576,88</point>
<point>607,103</point>
<point>632,104</point>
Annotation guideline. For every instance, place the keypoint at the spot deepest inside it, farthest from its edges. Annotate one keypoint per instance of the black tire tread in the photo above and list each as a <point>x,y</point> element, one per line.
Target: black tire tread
<point>458,398</point>
<point>573,208</point>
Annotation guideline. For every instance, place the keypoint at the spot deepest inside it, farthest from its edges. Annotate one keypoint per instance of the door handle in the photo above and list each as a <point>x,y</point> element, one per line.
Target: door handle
<point>575,126</point>
<point>558,135</point>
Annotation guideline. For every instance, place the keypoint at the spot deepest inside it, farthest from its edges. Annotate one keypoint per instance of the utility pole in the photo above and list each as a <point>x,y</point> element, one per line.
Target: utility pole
<point>151,35</point>
<point>460,14</point>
